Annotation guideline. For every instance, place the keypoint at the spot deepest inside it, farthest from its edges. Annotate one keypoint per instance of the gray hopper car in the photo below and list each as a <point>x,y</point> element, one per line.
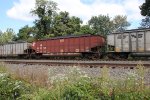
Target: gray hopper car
<point>135,42</point>
<point>13,49</point>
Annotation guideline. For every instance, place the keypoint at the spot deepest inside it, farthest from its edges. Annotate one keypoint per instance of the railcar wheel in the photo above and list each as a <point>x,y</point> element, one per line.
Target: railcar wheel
<point>23,56</point>
<point>123,56</point>
<point>38,56</point>
<point>94,57</point>
<point>105,57</point>
<point>76,58</point>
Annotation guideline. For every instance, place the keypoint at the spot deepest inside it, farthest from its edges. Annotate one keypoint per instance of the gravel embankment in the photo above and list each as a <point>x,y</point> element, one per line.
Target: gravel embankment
<point>42,72</point>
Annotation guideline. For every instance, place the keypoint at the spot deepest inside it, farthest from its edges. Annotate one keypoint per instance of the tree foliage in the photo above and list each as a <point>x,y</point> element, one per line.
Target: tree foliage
<point>52,24</point>
<point>45,10</point>
<point>101,24</point>
<point>145,8</point>
<point>120,23</point>
<point>26,33</point>
<point>65,25</point>
<point>7,36</point>
<point>104,25</point>
<point>86,29</point>
<point>145,22</point>
<point>1,37</point>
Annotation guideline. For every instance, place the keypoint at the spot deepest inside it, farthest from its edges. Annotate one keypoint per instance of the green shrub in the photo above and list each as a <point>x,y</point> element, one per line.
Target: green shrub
<point>12,89</point>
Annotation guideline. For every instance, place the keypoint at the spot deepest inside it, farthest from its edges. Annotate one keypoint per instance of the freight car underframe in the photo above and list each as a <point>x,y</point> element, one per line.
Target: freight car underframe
<point>73,55</point>
<point>125,55</point>
<point>117,55</point>
<point>94,53</point>
<point>112,54</point>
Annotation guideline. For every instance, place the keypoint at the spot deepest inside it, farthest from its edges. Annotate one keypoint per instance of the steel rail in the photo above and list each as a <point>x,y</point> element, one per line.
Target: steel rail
<point>112,64</point>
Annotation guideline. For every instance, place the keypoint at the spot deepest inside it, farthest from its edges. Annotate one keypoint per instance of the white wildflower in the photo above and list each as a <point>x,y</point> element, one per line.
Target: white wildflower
<point>58,78</point>
<point>3,75</point>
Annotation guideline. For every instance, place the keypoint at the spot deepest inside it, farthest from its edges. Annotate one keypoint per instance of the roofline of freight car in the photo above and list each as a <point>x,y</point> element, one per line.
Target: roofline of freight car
<point>70,36</point>
<point>133,30</point>
<point>13,42</point>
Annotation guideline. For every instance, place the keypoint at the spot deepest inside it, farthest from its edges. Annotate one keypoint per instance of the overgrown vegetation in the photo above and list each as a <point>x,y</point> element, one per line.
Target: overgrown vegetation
<point>77,85</point>
<point>11,89</point>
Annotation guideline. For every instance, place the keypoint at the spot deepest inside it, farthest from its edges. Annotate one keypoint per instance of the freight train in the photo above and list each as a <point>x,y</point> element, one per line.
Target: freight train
<point>135,43</point>
<point>85,46</point>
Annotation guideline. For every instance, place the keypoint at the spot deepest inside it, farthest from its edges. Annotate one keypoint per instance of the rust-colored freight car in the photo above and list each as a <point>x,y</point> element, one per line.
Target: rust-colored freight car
<point>70,45</point>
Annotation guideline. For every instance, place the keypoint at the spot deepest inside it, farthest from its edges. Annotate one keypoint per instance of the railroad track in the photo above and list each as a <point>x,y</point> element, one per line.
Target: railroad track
<point>113,64</point>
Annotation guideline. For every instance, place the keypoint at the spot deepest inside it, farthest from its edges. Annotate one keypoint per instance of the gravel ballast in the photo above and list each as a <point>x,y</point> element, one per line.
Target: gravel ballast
<point>42,72</point>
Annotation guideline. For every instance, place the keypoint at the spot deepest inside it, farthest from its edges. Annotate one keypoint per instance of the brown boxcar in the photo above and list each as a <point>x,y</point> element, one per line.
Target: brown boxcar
<point>69,45</point>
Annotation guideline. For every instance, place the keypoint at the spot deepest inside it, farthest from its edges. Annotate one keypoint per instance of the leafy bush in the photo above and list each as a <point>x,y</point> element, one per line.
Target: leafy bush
<point>12,89</point>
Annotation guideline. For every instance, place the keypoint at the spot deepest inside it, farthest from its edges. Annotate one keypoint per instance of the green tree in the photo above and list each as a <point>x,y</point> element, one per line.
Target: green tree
<point>60,24</point>
<point>7,36</point>
<point>145,8</point>
<point>26,34</point>
<point>74,24</point>
<point>101,24</point>
<point>145,22</point>
<point>85,29</point>
<point>66,25</point>
<point>1,37</point>
<point>145,11</point>
<point>120,23</point>
<point>45,10</point>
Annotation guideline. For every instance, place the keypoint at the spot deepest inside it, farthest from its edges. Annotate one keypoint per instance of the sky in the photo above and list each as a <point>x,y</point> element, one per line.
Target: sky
<point>16,14</point>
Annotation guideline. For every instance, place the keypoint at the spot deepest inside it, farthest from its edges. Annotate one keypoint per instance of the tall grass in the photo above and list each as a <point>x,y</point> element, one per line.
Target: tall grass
<point>30,74</point>
<point>11,89</point>
<point>2,68</point>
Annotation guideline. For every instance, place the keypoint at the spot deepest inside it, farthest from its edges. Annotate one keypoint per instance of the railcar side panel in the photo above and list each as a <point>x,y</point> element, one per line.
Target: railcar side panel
<point>118,42</point>
<point>140,42</point>
<point>20,47</point>
<point>135,42</point>
<point>125,42</point>
<point>76,44</point>
<point>110,40</point>
<point>81,47</point>
<point>66,44</point>
<point>147,44</point>
<point>130,42</point>
<point>13,49</point>
<point>87,46</point>
<point>71,45</point>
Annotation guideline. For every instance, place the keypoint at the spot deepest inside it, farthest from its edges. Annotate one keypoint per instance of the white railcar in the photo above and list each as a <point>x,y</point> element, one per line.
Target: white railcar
<point>14,49</point>
<point>135,42</point>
